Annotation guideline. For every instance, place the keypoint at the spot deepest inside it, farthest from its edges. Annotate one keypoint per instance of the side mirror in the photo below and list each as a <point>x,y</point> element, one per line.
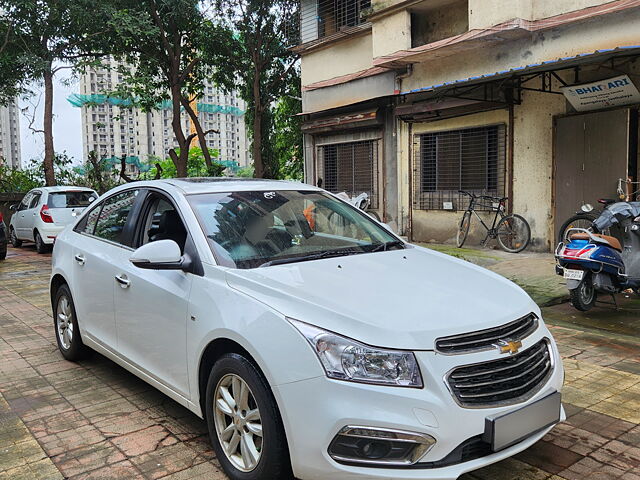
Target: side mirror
<point>160,255</point>
<point>14,207</point>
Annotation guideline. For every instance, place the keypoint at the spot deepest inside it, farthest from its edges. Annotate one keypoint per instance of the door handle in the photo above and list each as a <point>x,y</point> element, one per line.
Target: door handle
<point>80,259</point>
<point>123,281</point>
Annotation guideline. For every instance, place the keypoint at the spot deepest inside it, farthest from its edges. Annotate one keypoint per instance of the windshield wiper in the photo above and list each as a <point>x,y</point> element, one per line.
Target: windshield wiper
<point>387,245</point>
<point>313,256</point>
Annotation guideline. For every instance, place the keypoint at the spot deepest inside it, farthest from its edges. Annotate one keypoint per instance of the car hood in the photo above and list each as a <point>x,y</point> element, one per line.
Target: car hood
<point>401,299</point>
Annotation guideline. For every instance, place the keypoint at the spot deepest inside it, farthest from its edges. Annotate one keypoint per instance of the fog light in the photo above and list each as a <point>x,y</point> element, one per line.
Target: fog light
<point>379,446</point>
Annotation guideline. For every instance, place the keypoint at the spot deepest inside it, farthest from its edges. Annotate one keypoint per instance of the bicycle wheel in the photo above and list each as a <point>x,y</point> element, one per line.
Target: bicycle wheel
<point>514,233</point>
<point>580,220</point>
<point>463,230</point>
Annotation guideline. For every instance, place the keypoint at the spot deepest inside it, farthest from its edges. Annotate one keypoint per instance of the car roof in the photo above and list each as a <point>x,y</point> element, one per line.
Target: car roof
<point>63,188</point>
<point>230,184</point>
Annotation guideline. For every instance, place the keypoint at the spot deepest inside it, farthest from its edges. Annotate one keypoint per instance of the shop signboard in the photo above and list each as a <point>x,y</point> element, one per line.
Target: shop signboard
<point>607,93</point>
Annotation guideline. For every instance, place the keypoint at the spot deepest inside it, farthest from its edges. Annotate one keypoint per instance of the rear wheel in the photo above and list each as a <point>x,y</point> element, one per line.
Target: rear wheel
<point>580,220</point>
<point>41,247</point>
<point>514,233</point>
<point>463,229</point>
<point>66,326</point>
<point>13,238</point>
<point>584,296</point>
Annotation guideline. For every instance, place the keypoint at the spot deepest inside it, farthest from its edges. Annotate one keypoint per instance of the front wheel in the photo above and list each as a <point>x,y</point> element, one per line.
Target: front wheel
<point>584,296</point>
<point>463,229</point>
<point>13,238</point>
<point>514,233</point>
<point>244,422</point>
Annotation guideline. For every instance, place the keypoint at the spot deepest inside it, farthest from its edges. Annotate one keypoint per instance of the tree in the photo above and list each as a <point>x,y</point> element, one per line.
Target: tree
<point>48,36</point>
<point>196,166</point>
<point>287,135</point>
<point>161,44</point>
<point>12,75</point>
<point>259,58</point>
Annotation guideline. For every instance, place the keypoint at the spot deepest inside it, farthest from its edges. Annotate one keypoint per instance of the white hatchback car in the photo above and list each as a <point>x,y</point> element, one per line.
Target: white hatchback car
<point>314,341</point>
<point>45,211</point>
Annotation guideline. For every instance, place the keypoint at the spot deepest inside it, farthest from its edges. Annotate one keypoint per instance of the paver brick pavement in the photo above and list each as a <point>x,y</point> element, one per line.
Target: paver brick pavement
<point>95,420</point>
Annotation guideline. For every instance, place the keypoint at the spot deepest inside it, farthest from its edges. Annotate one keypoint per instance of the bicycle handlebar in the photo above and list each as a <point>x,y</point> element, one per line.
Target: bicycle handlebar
<point>485,197</point>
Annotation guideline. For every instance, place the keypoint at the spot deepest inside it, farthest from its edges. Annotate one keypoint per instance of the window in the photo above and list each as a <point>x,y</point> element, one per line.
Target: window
<point>24,204</point>
<point>114,216</point>
<point>71,199</point>
<point>162,222</point>
<point>35,200</point>
<point>88,224</point>
<point>472,159</point>
<point>351,168</point>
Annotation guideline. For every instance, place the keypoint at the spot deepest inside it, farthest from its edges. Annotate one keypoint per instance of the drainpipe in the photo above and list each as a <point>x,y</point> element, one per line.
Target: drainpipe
<point>401,77</point>
<point>510,159</point>
<point>398,124</point>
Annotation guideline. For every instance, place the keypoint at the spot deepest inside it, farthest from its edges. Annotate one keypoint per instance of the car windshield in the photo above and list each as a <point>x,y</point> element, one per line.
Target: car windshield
<point>254,229</point>
<point>70,199</point>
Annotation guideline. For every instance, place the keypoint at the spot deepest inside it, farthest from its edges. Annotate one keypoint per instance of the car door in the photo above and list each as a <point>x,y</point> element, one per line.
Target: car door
<point>31,214</point>
<point>18,221</point>
<point>152,305</point>
<point>103,237</point>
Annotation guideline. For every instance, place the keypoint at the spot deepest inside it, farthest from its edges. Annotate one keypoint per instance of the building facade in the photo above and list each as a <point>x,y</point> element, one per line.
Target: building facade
<point>414,100</point>
<point>114,129</point>
<point>10,135</point>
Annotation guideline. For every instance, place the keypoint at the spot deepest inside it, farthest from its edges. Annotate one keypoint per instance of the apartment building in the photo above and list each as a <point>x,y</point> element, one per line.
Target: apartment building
<point>10,135</point>
<point>112,128</point>
<point>414,100</point>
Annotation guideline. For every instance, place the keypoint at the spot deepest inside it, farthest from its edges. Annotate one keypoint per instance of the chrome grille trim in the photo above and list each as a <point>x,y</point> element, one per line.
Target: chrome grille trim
<point>504,381</point>
<point>482,340</point>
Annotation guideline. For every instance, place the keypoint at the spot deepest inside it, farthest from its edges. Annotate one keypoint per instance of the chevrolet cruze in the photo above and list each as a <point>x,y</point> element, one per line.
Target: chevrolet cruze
<point>314,341</point>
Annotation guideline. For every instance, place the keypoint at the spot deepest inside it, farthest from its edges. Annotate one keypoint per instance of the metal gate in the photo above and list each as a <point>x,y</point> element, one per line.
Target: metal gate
<point>591,154</point>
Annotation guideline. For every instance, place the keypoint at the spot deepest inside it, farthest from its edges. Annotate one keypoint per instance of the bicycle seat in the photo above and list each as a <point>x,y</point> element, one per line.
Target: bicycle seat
<point>598,238</point>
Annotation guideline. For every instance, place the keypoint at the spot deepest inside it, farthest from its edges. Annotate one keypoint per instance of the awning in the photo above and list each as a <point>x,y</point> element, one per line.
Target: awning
<point>549,65</point>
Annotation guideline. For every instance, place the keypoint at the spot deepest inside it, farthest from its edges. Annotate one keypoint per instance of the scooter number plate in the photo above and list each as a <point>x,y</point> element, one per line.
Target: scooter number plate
<point>573,274</point>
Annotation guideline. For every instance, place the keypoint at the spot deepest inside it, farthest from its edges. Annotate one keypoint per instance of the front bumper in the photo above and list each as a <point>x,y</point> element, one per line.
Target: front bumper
<point>315,410</point>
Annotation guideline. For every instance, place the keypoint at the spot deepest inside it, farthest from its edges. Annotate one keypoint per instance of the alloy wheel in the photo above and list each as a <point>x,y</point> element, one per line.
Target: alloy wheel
<point>238,423</point>
<point>64,322</point>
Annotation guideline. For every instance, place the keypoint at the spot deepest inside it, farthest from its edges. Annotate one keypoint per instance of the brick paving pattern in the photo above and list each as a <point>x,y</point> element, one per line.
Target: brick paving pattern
<point>94,420</point>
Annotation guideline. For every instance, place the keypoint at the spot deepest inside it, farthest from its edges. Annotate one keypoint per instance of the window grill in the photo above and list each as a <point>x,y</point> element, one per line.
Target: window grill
<point>351,168</point>
<point>322,19</point>
<point>471,159</point>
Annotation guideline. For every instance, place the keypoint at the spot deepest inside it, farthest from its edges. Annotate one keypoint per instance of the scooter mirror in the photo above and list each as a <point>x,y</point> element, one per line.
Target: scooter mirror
<point>587,207</point>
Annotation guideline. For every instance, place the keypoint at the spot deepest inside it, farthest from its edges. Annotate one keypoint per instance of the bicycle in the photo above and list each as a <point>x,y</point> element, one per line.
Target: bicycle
<point>512,231</point>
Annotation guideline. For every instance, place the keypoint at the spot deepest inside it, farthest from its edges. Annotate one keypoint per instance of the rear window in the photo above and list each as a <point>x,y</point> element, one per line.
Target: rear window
<point>70,199</point>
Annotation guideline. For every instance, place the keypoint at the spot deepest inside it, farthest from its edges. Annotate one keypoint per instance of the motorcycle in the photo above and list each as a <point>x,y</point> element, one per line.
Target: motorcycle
<point>594,263</point>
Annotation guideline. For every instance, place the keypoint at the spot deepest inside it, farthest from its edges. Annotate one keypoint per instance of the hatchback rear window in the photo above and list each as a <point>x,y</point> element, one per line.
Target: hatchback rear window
<point>70,199</point>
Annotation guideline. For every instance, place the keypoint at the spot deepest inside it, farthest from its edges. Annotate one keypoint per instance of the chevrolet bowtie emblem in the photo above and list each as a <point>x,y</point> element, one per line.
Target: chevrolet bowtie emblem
<point>511,347</point>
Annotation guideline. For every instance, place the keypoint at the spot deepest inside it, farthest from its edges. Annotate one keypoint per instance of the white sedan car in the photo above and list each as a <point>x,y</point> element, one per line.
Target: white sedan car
<point>313,341</point>
<point>45,211</point>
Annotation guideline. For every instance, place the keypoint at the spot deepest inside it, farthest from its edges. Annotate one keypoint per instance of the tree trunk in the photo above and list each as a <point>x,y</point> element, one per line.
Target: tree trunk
<point>181,160</point>
<point>201,136</point>
<point>258,164</point>
<point>49,153</point>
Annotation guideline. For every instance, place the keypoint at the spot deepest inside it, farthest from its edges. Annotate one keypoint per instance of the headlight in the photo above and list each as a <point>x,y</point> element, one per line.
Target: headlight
<point>346,359</point>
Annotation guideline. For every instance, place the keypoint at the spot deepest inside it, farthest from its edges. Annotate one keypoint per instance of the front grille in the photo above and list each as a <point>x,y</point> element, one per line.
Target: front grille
<point>486,339</point>
<point>503,381</point>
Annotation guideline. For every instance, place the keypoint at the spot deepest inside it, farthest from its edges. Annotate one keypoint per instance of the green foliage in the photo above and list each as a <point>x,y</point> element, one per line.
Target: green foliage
<point>245,172</point>
<point>32,175</point>
<point>196,166</point>
<point>287,136</point>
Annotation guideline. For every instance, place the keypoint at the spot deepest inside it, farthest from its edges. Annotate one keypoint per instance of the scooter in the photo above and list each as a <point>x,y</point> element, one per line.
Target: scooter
<point>593,263</point>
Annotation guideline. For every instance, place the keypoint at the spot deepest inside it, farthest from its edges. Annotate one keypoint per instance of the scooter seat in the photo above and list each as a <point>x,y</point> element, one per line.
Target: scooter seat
<point>613,242</point>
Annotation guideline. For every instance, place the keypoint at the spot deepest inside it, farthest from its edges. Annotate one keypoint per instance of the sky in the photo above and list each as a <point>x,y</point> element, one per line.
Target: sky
<point>67,125</point>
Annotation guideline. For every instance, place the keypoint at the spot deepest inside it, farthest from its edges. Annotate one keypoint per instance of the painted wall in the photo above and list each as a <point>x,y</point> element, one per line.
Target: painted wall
<point>392,33</point>
<point>340,58</point>
<point>435,24</point>
<point>486,13</point>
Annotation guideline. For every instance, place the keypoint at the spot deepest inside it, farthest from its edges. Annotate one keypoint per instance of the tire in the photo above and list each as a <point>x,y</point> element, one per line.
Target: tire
<point>65,323</point>
<point>579,220</point>
<point>41,247</point>
<point>3,251</point>
<point>584,296</point>
<point>14,239</point>
<point>270,459</point>
<point>514,233</point>
<point>463,229</point>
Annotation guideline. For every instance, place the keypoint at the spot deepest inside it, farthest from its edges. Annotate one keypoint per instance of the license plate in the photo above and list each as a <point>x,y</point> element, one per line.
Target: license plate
<point>573,274</point>
<point>502,431</point>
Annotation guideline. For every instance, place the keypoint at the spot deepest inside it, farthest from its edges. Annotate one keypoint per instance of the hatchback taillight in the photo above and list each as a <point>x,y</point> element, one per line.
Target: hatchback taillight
<point>45,215</point>
<point>1,217</point>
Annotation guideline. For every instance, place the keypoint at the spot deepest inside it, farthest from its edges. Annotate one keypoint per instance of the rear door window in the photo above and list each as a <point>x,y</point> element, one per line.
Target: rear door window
<point>71,199</point>
<point>35,200</point>
<point>114,216</point>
